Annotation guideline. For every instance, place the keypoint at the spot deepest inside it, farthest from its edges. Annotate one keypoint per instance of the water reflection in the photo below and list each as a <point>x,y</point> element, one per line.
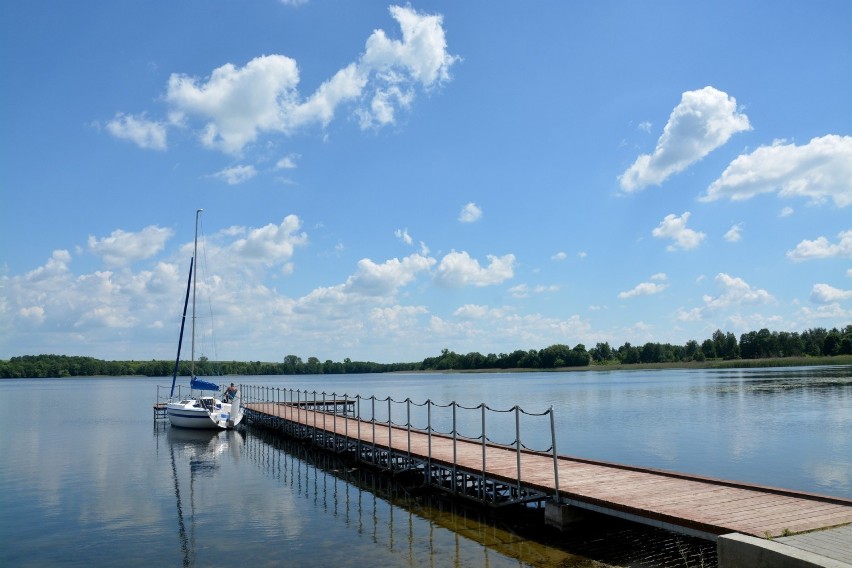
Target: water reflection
<point>428,530</point>
<point>201,450</point>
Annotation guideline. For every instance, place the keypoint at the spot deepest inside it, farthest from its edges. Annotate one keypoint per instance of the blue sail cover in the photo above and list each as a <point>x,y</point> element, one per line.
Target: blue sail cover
<point>198,384</point>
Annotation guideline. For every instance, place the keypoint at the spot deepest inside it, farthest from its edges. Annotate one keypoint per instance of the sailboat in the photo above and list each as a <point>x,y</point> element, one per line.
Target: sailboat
<point>211,412</point>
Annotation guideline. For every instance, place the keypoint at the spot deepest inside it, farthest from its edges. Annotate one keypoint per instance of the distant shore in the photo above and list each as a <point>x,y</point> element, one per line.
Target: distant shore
<point>685,365</point>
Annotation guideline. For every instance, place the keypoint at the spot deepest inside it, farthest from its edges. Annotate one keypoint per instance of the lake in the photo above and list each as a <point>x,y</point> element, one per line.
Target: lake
<point>89,479</point>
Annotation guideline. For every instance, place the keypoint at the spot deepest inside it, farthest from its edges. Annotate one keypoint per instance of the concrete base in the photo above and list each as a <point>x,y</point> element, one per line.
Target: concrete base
<point>560,516</point>
<point>740,551</point>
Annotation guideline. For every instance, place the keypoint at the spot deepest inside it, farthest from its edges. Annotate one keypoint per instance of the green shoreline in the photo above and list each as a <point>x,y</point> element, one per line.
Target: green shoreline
<point>834,360</point>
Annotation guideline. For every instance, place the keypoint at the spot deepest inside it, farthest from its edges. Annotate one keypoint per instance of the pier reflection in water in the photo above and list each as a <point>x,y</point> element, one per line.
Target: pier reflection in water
<point>423,530</point>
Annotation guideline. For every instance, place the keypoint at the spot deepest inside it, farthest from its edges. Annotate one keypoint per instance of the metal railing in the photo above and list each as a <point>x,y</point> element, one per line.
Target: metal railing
<point>451,421</point>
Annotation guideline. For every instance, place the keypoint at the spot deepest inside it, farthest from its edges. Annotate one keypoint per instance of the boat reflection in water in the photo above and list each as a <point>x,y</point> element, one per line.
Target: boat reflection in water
<point>202,451</point>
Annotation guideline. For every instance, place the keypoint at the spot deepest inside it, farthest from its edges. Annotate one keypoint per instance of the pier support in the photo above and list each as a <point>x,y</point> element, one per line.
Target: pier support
<point>560,516</point>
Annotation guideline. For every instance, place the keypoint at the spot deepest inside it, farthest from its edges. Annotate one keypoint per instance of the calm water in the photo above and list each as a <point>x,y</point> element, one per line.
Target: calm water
<point>86,478</point>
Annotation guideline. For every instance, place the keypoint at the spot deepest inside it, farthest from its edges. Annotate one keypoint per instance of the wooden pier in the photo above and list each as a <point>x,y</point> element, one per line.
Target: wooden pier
<point>499,475</point>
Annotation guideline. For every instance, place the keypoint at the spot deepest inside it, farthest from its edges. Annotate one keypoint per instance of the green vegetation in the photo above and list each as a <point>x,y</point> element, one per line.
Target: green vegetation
<point>754,349</point>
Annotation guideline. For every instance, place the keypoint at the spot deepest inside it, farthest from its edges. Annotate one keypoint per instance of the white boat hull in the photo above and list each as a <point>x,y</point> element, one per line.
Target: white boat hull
<point>206,413</point>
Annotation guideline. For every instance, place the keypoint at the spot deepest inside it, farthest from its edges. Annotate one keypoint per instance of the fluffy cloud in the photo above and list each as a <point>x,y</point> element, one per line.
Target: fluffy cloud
<point>646,288</point>
<point>270,244</point>
<point>139,130</point>
<point>819,170</point>
<point>122,248</point>
<point>236,175</point>
<point>373,279</point>
<point>470,213</point>
<point>458,269</point>
<point>236,105</point>
<point>825,294</point>
<point>704,120</point>
<point>524,291</point>
<point>674,227</point>
<point>736,292</point>
<point>735,233</point>
<point>822,248</point>
<point>288,162</point>
<point>402,234</point>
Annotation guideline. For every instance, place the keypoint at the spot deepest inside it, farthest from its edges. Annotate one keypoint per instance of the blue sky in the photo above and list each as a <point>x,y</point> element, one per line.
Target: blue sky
<point>382,181</point>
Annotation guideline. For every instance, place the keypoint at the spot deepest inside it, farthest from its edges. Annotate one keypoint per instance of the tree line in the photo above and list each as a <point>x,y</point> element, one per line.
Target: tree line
<point>763,344</point>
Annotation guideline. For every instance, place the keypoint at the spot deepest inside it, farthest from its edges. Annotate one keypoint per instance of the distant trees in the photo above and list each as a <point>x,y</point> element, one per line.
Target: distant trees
<point>817,342</point>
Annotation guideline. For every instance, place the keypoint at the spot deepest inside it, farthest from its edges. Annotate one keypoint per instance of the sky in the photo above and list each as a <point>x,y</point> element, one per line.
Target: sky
<point>383,181</point>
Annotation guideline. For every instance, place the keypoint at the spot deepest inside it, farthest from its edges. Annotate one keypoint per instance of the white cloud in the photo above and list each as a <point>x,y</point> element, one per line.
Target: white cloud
<point>704,120</point>
<point>239,103</point>
<point>397,319</point>
<point>832,311</point>
<point>288,162</point>
<point>472,312</point>
<point>470,213</point>
<point>736,292</point>
<point>559,256</point>
<point>646,288</point>
<point>236,105</point>
<point>734,234</point>
<point>819,170</point>
<point>785,212</point>
<point>523,291</point>
<point>402,234</point>
<point>373,279</point>
<point>271,244</point>
<point>236,175</point>
<point>122,248</point>
<point>458,269</point>
<point>825,294</point>
<point>674,227</point>
<point>56,265</point>
<point>822,248</point>
<point>139,130</point>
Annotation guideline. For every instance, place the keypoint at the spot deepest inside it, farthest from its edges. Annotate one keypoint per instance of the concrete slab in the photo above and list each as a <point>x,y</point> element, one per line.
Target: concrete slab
<point>741,551</point>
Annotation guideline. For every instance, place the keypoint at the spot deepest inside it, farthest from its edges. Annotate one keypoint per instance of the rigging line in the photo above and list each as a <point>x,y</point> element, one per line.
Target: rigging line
<point>206,279</point>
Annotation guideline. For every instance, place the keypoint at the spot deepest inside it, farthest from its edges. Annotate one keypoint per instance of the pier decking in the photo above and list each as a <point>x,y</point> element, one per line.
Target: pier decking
<point>500,474</point>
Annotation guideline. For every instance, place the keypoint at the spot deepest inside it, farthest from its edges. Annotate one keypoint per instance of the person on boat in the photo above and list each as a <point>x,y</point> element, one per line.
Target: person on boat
<point>230,393</point>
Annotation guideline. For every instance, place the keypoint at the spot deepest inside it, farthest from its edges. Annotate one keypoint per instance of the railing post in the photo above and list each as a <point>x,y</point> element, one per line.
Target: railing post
<point>429,437</point>
<point>408,425</point>
<point>390,425</point>
<point>518,444</point>
<point>482,489</point>
<point>373,420</point>
<point>455,478</point>
<point>555,459</point>
<point>346,417</point>
<point>324,412</point>
<point>334,419</point>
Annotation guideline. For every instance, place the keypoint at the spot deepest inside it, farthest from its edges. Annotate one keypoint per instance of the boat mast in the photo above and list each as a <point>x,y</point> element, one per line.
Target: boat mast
<point>194,280</point>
